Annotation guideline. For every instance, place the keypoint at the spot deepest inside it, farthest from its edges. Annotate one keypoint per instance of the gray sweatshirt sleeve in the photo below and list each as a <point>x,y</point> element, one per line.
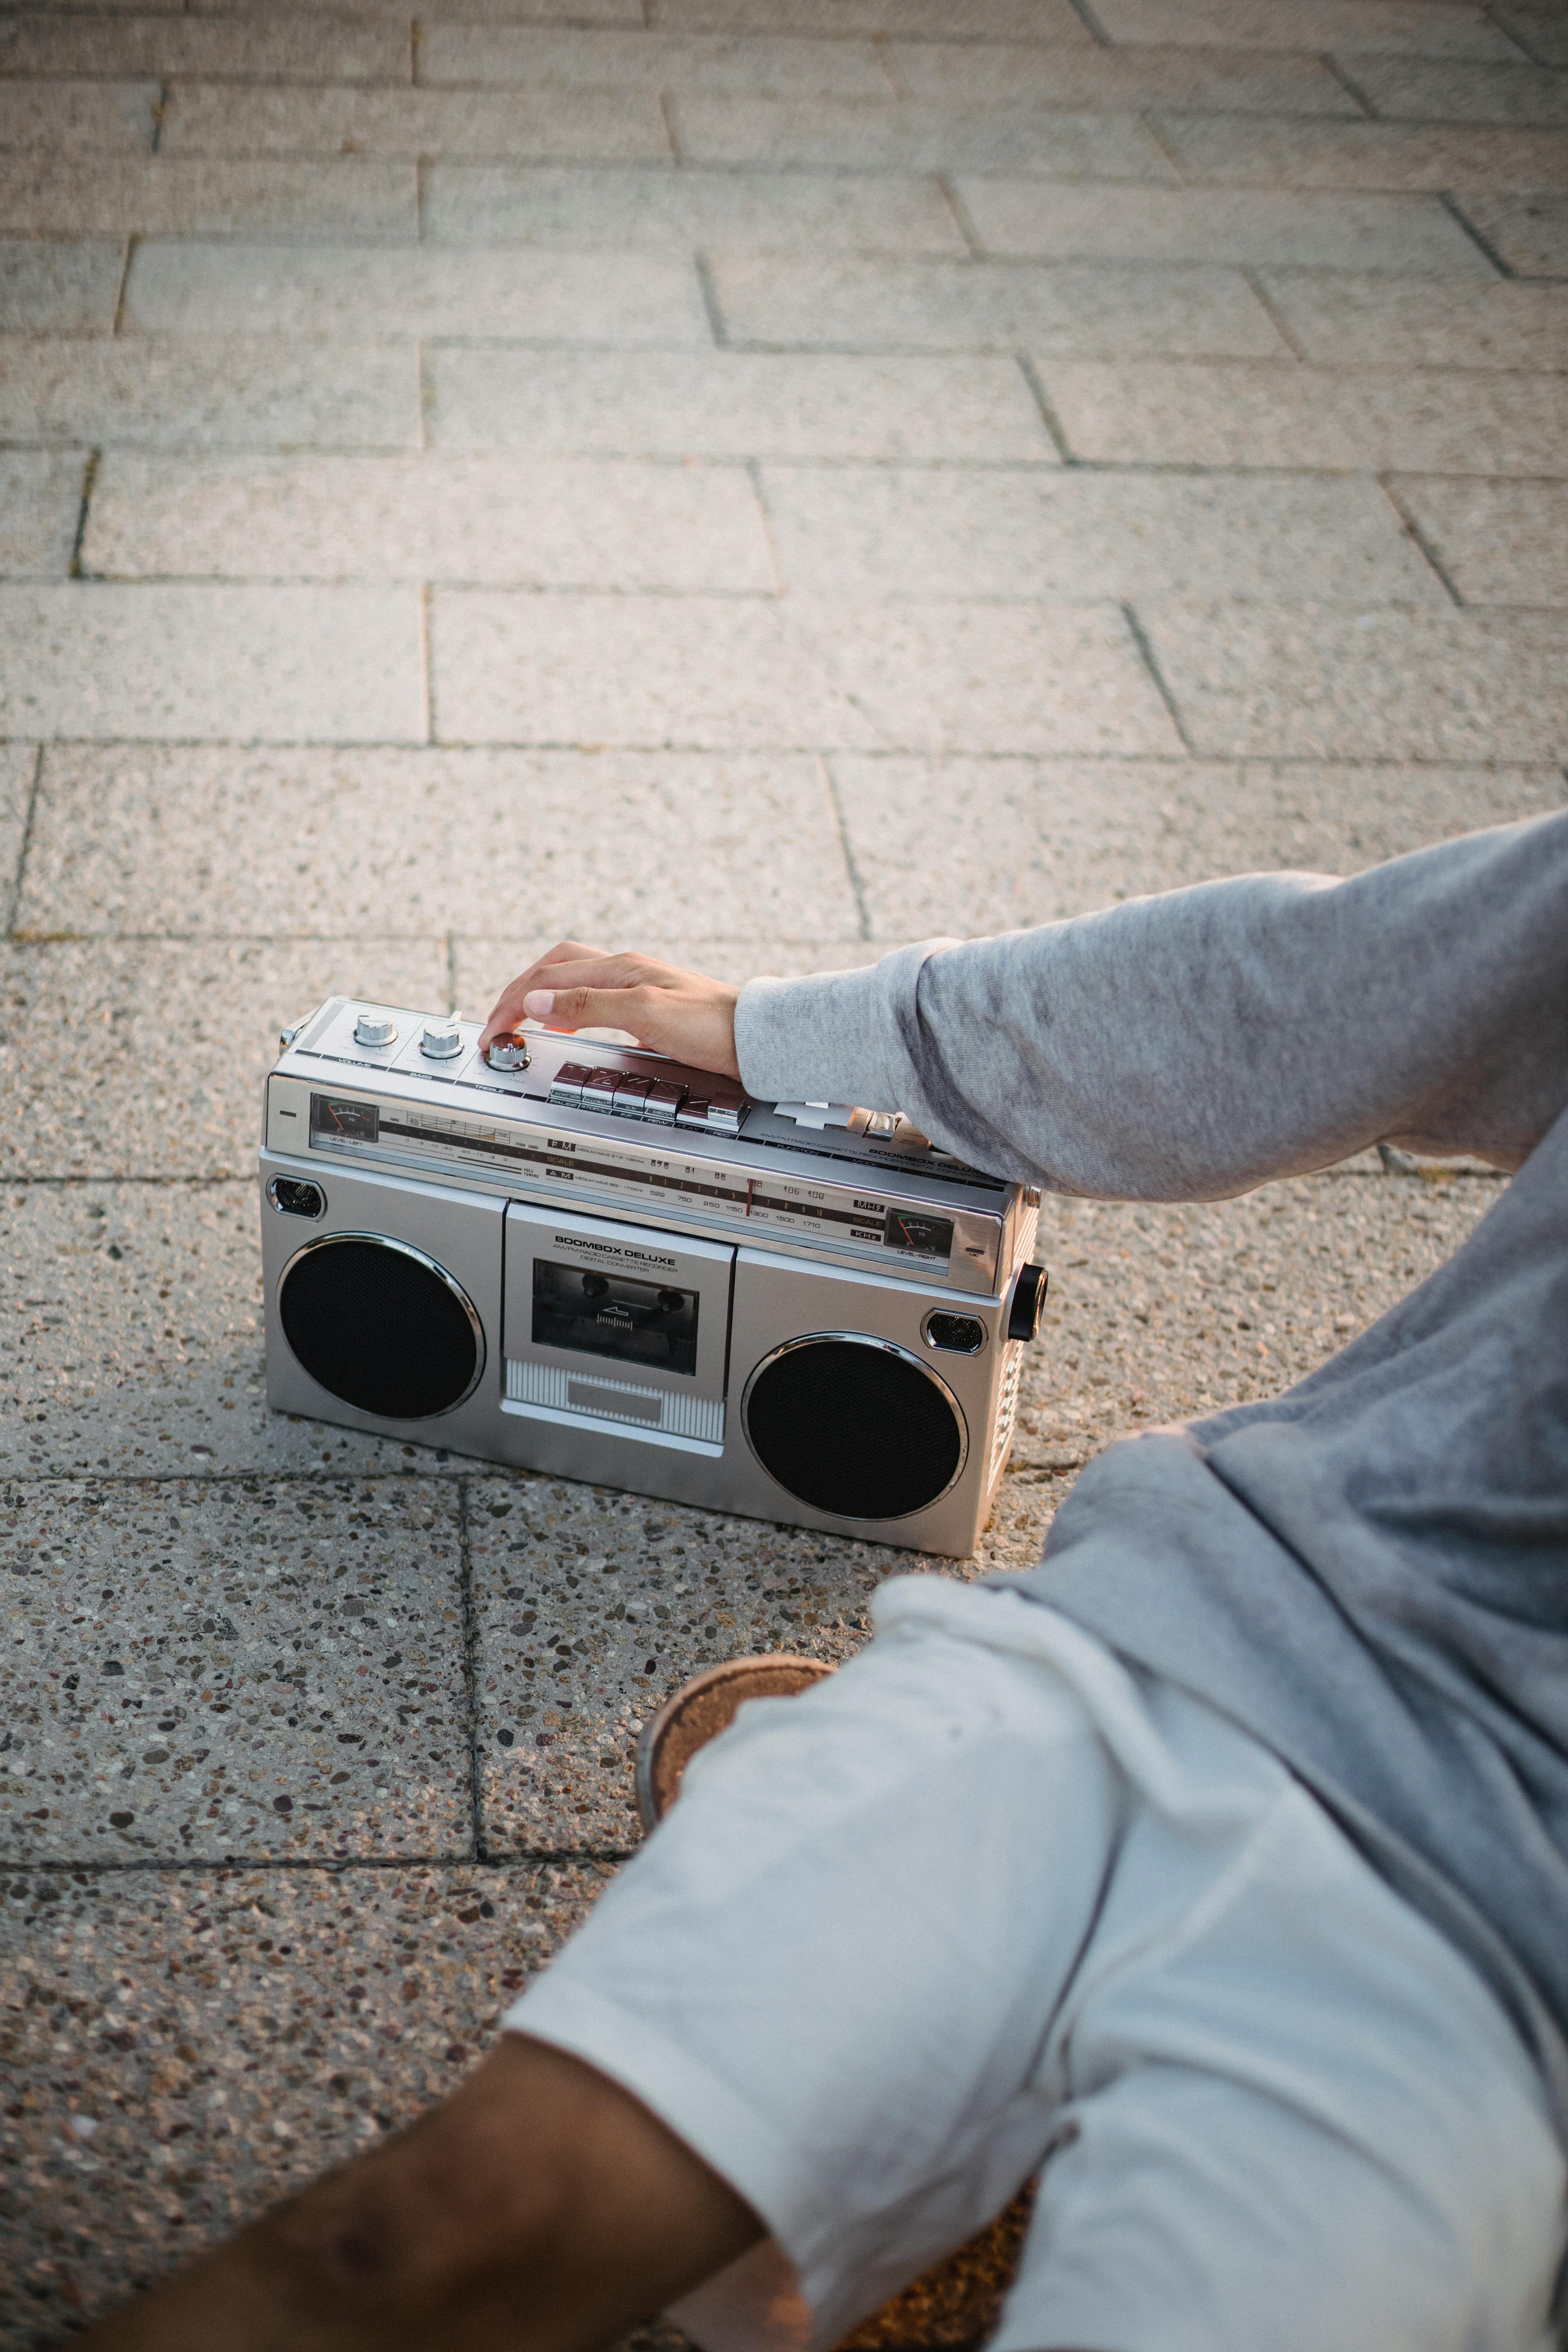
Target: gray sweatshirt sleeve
<point>1191,1045</point>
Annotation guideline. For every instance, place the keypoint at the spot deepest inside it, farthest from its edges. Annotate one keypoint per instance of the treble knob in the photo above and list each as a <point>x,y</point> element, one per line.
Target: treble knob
<point>509,1053</point>
<point>442,1040</point>
<point>375,1029</point>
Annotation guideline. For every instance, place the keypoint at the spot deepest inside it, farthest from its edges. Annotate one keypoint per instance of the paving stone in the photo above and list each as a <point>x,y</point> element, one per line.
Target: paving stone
<point>1053,21</point>
<point>591,1605</point>
<point>698,672</point>
<point>93,661</point>
<point>991,677</point>
<point>1529,234</point>
<point>343,197</point>
<point>357,292</point>
<point>61,288</point>
<point>101,1376</point>
<point>358,842</point>
<point>1345,321</point>
<point>1196,413</point>
<point>1121,80</point>
<point>1500,542</point>
<point>1426,91</point>
<point>211,1667</point>
<point>494,204</point>
<point>40,502</point>
<point>1295,682</point>
<point>144,1057</point>
<point>19,767</point>
<point>186,394</point>
<point>198,2043</point>
<point>596,523</point>
<point>1029,218</point>
<point>1073,536</point>
<point>1066,306</point>
<point>759,67</point>
<point>313,47</point>
<point>917,135</point>
<point>599,126</point>
<point>1372,155</point>
<point>78,118</point>
<point>1395,28</point>
<point>968,847</point>
<point>731,405</point>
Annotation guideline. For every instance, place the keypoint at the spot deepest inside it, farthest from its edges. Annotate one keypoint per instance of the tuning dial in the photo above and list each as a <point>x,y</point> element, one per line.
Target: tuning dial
<point>442,1040</point>
<point>1028,1302</point>
<point>375,1029</point>
<point>511,1052</point>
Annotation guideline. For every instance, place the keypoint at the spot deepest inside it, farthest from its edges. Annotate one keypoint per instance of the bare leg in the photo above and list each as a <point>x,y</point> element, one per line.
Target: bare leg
<point>540,2210</point>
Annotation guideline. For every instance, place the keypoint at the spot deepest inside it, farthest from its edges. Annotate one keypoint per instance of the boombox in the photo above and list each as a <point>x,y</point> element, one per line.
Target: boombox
<point>590,1261</point>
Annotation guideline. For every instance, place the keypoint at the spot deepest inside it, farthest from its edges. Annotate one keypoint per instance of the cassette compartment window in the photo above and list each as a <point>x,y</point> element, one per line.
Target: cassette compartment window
<point>607,1314</point>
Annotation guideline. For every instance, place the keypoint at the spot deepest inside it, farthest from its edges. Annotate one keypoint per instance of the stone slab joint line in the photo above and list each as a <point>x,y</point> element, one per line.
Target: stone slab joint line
<point>416,47</point>
<point>470,1674</point>
<point>845,844</point>
<point>1512,32</point>
<point>881,46</point>
<point>1168,147</point>
<point>1276,317</point>
<point>1049,417</point>
<point>166,94</point>
<point>1084,12</point>
<point>1146,650</point>
<point>759,491</point>
<point>19,879</point>
<point>1414,532</point>
<point>1331,65</point>
<point>1452,205</point>
<point>671,126</point>
<point>88,478</point>
<point>960,211</point>
<point>119,323</point>
<point>708,288</point>
<point>426,673</point>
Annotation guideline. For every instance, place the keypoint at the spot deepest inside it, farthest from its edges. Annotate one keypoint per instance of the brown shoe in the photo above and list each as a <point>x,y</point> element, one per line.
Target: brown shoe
<point>700,1710</point>
<point>958,2302</point>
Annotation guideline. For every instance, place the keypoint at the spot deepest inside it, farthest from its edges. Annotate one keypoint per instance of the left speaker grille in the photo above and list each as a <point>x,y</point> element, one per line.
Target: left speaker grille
<point>385,1331</point>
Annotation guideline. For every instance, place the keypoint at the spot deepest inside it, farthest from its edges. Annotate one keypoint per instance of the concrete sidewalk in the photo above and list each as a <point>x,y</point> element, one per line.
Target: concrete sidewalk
<point>761,481</point>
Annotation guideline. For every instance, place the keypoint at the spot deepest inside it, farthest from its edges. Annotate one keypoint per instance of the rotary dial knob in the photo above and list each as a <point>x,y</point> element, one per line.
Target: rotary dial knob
<point>442,1039</point>
<point>509,1053</point>
<point>374,1029</point>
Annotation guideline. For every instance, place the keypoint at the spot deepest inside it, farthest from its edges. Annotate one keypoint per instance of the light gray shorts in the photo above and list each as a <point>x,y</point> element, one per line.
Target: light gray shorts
<point>987,1903</point>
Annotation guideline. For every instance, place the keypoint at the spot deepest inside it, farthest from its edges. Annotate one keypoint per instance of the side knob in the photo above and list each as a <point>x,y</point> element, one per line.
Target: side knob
<point>1028,1302</point>
<point>375,1029</point>
<point>442,1040</point>
<point>509,1053</point>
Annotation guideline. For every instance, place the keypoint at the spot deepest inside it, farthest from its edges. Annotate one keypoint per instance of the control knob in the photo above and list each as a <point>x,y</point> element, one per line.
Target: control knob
<point>375,1029</point>
<point>442,1040</point>
<point>1028,1302</point>
<point>509,1053</point>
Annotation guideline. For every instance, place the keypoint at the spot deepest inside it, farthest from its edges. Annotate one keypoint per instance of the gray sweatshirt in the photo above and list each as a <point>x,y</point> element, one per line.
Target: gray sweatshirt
<point>1369,1572</point>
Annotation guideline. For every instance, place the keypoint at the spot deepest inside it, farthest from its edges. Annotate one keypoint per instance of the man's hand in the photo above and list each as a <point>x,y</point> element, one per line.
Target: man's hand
<point>681,1013</point>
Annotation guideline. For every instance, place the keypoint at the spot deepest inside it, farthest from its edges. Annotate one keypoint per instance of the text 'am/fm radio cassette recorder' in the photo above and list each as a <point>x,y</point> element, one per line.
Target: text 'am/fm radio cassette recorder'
<point>585,1259</point>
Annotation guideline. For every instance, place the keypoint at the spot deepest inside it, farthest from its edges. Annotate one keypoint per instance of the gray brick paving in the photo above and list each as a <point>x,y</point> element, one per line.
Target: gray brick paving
<point>761,479</point>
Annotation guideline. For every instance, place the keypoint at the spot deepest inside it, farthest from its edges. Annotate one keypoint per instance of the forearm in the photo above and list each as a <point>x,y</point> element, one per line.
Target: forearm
<point>1191,1045</point>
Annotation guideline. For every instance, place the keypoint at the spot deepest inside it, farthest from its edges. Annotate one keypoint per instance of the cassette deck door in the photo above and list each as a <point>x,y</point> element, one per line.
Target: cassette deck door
<point>618,1326</point>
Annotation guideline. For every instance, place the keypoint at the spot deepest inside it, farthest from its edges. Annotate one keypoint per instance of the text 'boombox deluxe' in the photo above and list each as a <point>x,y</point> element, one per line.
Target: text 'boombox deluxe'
<point>595,1263</point>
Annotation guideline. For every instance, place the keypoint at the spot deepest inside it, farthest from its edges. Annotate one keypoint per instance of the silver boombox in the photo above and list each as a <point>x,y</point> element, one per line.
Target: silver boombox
<point>588,1260</point>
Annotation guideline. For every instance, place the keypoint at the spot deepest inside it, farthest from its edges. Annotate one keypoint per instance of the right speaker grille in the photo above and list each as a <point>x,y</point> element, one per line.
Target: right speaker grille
<point>854,1428</point>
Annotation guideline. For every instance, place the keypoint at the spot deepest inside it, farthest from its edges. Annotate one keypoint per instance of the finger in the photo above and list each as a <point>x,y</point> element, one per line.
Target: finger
<point>506,1011</point>
<point>595,1008</point>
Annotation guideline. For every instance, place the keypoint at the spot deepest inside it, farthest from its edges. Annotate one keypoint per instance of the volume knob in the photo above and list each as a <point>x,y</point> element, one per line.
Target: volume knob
<point>506,1053</point>
<point>374,1029</point>
<point>442,1040</point>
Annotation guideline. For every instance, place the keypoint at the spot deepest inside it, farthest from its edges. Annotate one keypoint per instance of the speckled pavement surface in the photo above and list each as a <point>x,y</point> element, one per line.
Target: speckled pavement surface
<point>761,479</point>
